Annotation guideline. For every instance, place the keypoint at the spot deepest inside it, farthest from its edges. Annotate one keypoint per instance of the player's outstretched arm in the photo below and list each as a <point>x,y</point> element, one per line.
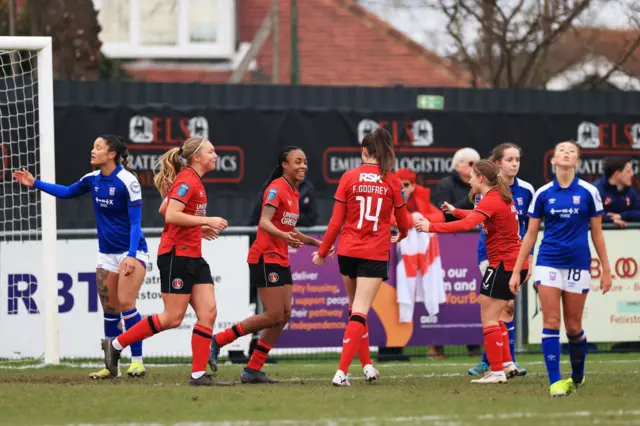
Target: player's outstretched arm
<point>335,224</point>
<point>472,220</point>
<point>598,242</point>
<point>60,191</point>
<point>176,216</point>
<point>307,240</point>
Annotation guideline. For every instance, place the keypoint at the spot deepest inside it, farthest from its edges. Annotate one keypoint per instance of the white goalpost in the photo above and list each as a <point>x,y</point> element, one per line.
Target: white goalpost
<point>29,320</point>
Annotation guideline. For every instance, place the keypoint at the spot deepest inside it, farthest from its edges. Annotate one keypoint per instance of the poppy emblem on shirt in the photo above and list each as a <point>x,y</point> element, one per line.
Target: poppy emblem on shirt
<point>272,194</point>
<point>273,277</point>
<point>576,199</point>
<point>112,191</point>
<point>607,201</point>
<point>628,201</point>
<point>177,284</point>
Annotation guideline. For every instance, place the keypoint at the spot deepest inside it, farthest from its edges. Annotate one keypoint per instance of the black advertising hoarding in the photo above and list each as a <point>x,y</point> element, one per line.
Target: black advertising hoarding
<point>248,141</point>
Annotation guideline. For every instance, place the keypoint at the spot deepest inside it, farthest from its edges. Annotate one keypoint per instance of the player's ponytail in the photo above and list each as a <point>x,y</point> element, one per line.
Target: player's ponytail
<point>278,170</point>
<point>380,146</point>
<point>490,171</point>
<point>116,144</point>
<point>169,165</point>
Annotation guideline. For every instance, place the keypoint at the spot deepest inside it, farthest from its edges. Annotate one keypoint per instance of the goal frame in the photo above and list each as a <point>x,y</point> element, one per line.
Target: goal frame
<point>46,145</point>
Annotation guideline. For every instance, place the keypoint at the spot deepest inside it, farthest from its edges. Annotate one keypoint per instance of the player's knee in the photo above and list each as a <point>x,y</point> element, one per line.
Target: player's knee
<point>552,322</point>
<point>275,317</point>
<point>508,312</point>
<point>207,316</point>
<point>171,321</point>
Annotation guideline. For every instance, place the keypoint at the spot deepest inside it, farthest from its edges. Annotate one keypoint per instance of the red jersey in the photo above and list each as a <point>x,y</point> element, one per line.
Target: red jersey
<point>370,201</point>
<point>499,223</point>
<point>188,189</point>
<point>285,198</point>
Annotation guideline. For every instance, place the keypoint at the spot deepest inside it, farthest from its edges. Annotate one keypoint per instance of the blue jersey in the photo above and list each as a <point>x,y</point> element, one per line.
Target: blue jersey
<point>117,202</point>
<point>522,193</point>
<point>566,213</point>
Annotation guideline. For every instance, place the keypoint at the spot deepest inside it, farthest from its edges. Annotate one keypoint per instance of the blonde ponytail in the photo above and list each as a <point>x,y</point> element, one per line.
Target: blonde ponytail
<point>170,165</point>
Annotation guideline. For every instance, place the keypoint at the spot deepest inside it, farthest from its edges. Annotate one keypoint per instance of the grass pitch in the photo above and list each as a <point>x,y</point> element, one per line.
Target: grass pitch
<point>436,393</point>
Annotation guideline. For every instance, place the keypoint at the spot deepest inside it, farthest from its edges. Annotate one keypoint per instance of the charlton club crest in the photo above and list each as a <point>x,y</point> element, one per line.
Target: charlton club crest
<point>177,284</point>
<point>273,277</point>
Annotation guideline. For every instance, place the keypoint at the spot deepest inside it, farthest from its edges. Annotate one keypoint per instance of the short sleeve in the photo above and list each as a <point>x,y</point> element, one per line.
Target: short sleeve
<point>399,196</point>
<point>182,191</point>
<point>272,196</point>
<point>595,203</point>
<point>487,206</point>
<point>341,192</point>
<point>536,208</point>
<point>132,185</point>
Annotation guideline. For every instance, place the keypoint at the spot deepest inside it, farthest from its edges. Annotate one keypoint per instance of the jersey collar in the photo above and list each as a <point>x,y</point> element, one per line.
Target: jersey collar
<point>194,172</point>
<point>515,185</point>
<point>113,174</point>
<point>574,184</point>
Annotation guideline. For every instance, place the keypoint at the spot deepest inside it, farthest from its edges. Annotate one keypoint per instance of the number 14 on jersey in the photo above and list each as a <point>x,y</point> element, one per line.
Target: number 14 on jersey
<point>365,211</point>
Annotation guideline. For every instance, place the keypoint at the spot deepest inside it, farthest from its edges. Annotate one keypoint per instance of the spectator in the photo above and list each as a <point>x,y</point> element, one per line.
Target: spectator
<point>621,203</point>
<point>419,200</point>
<point>419,197</point>
<point>454,189</point>
<point>308,209</point>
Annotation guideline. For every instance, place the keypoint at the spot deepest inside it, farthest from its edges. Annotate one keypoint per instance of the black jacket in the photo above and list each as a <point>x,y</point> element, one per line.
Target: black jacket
<point>307,205</point>
<point>455,191</point>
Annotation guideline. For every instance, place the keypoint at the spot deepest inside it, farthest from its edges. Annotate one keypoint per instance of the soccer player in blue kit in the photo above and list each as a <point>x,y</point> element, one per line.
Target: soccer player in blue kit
<point>507,158</point>
<point>568,206</point>
<point>122,248</point>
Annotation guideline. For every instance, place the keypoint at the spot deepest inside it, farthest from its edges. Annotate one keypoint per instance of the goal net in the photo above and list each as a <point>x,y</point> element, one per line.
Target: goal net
<point>28,255</point>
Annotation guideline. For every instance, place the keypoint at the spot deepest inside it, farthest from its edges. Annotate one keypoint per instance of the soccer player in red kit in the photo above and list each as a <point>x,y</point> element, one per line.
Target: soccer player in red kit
<point>498,217</point>
<point>269,268</point>
<point>185,277</point>
<point>364,203</point>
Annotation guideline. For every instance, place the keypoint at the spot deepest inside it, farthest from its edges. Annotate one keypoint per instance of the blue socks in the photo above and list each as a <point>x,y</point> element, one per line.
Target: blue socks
<point>512,342</point>
<point>578,354</point>
<point>551,352</point>
<point>112,325</point>
<point>131,318</point>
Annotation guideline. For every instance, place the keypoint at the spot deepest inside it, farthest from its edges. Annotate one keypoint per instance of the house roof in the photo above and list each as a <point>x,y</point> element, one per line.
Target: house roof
<point>582,46</point>
<point>340,43</point>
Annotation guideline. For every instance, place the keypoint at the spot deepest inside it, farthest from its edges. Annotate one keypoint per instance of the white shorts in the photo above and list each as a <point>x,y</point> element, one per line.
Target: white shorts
<point>571,280</point>
<point>111,262</point>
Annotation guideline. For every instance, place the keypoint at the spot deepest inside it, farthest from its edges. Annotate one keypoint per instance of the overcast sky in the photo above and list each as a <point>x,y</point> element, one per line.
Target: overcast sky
<point>428,27</point>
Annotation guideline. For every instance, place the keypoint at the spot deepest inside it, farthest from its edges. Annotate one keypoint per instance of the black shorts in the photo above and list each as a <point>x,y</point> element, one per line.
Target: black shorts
<point>354,267</point>
<point>178,274</point>
<point>269,274</point>
<point>495,282</point>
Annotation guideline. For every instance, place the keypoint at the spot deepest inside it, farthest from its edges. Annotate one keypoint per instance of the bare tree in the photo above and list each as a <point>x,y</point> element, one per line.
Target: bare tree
<point>73,25</point>
<point>524,43</point>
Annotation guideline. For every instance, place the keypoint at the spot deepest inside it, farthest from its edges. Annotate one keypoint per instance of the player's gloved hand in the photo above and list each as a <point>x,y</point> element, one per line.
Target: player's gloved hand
<point>317,260</point>
<point>447,208</point>
<point>514,283</point>
<point>128,266</point>
<point>217,223</point>
<point>24,177</point>
<point>292,240</point>
<point>209,233</point>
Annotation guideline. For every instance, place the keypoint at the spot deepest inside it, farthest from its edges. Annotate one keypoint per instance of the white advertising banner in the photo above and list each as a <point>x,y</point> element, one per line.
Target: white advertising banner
<point>612,317</point>
<point>81,322</point>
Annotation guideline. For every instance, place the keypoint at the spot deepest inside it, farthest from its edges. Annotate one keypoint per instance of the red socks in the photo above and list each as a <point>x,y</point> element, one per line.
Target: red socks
<point>364,354</point>
<point>259,356</point>
<point>143,329</point>
<point>352,340</point>
<point>200,343</point>
<point>493,345</point>
<point>230,334</point>
<point>506,351</point>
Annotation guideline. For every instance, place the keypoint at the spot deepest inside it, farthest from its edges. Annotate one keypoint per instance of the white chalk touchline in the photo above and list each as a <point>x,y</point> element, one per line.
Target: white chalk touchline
<point>449,420</point>
<point>378,366</point>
